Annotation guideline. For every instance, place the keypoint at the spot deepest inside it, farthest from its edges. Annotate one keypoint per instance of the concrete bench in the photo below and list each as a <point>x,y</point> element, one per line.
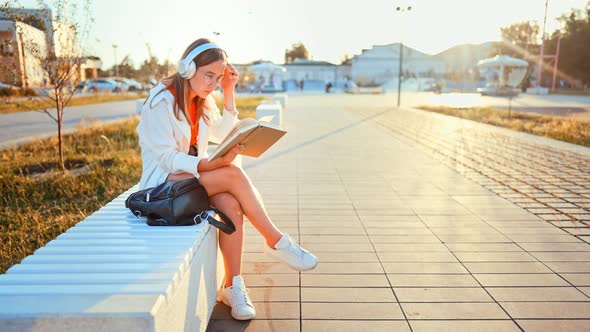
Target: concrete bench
<point>270,108</point>
<point>112,272</point>
<point>281,98</point>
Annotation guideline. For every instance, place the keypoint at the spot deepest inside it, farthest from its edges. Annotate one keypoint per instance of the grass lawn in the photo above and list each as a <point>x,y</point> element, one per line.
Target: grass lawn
<point>36,206</point>
<point>37,103</point>
<point>562,129</point>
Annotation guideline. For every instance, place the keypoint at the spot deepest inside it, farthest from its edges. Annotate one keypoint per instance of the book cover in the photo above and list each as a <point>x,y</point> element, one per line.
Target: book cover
<point>256,136</point>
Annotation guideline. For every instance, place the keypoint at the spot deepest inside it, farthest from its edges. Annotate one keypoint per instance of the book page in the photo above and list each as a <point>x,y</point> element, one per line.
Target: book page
<point>267,118</point>
<point>239,132</point>
<point>247,122</point>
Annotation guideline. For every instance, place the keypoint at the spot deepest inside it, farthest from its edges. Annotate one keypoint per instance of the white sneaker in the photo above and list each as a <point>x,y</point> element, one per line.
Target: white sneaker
<point>236,297</point>
<point>290,253</point>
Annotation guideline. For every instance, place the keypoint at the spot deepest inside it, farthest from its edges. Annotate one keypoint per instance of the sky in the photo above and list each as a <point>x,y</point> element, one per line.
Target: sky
<point>262,29</point>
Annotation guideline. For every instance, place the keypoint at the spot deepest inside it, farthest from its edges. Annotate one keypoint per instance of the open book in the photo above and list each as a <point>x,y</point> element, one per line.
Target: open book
<point>256,136</point>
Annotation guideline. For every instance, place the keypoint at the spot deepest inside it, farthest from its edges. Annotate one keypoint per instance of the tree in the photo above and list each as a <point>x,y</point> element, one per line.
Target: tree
<point>518,39</point>
<point>297,51</point>
<point>125,67</point>
<point>59,54</point>
<point>346,59</point>
<point>521,33</point>
<point>150,69</point>
<point>574,49</point>
<point>246,77</point>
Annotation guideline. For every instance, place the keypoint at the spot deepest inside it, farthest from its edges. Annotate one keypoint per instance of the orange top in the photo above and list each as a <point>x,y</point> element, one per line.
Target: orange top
<point>194,123</point>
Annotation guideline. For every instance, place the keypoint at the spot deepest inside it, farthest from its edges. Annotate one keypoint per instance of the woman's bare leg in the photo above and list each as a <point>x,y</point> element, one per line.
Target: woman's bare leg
<point>230,245</point>
<point>233,180</point>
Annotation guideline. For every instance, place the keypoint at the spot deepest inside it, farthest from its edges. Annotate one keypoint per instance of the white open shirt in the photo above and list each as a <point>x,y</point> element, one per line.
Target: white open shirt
<point>165,140</point>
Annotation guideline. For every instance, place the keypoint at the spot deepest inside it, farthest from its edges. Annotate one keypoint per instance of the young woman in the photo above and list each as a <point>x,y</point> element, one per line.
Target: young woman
<point>178,120</point>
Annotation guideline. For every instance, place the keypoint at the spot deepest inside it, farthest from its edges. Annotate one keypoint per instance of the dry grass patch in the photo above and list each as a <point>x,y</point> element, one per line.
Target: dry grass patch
<point>246,105</point>
<point>38,204</point>
<point>562,129</point>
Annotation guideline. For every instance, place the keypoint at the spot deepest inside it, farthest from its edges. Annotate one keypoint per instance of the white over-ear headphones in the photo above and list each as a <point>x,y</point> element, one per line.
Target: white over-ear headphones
<point>186,66</point>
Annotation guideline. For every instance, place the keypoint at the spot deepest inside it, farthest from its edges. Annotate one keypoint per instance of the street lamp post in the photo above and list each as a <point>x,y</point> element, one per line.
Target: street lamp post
<point>542,50</point>
<point>115,56</point>
<point>401,56</point>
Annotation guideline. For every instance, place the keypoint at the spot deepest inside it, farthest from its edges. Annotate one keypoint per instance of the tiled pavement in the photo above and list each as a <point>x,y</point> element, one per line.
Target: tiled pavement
<point>407,242</point>
<point>549,179</point>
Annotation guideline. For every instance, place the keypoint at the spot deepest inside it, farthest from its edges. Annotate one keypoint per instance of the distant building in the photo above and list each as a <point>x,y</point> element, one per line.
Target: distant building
<point>315,74</point>
<point>26,41</point>
<point>18,65</point>
<point>89,68</point>
<point>381,64</point>
<point>302,69</point>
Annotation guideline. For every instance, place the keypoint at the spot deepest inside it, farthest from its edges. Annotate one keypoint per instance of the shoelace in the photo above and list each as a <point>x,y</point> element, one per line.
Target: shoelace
<point>296,250</point>
<point>242,298</point>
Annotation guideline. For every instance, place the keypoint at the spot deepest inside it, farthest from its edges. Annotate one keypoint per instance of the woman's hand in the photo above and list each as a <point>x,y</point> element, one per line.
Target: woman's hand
<point>226,160</point>
<point>228,84</point>
<point>230,78</point>
<point>231,154</point>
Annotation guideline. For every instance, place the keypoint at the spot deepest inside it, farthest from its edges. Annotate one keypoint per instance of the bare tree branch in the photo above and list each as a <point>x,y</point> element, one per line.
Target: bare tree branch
<point>48,114</point>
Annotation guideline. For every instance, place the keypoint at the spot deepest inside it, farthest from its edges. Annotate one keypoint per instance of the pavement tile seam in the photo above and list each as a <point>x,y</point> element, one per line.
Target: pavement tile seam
<point>479,283</point>
<point>366,233</point>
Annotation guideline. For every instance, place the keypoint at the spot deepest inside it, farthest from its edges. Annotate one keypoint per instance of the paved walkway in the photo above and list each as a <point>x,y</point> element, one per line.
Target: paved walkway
<point>407,242</point>
<point>548,178</point>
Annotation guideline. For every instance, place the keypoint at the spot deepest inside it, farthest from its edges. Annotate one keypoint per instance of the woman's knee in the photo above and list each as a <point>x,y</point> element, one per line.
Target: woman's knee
<point>235,173</point>
<point>223,179</point>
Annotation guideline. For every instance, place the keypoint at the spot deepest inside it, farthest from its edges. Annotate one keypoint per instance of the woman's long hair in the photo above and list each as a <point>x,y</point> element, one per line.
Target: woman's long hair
<point>181,85</point>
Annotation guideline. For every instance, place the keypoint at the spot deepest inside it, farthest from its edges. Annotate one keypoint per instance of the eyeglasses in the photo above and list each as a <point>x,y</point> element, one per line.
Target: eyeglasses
<point>211,79</point>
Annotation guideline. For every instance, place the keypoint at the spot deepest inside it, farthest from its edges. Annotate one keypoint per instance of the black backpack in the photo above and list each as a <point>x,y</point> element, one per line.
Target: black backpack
<point>177,203</point>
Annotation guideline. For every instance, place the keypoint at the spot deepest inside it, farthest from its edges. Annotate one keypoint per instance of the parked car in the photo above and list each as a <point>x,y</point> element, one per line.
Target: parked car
<point>101,85</point>
<point>129,84</point>
<point>8,86</point>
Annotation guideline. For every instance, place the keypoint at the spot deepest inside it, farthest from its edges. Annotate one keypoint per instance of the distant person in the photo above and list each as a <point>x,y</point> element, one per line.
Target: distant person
<point>178,119</point>
<point>301,84</point>
<point>328,87</point>
<point>437,87</point>
<point>525,84</point>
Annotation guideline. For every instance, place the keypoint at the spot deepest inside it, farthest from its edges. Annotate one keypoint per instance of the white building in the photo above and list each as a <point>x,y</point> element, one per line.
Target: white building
<point>302,69</point>
<point>27,38</point>
<point>267,76</point>
<point>20,65</point>
<point>380,64</point>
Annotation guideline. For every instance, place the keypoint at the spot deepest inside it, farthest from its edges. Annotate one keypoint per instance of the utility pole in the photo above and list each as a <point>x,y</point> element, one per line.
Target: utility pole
<point>542,51</point>
<point>555,64</point>
<point>401,54</point>
<point>115,56</point>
